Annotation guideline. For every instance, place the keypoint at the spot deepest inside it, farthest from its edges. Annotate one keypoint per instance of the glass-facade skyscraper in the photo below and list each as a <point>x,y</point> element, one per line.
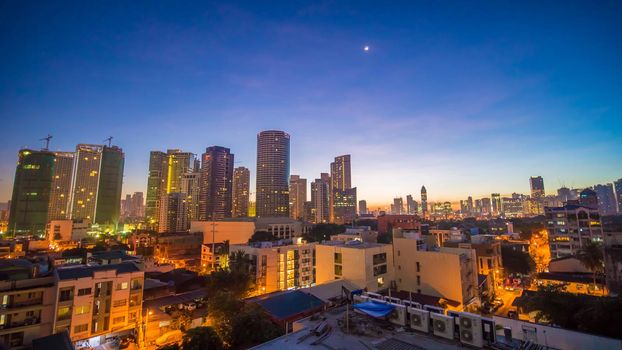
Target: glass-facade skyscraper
<point>31,192</point>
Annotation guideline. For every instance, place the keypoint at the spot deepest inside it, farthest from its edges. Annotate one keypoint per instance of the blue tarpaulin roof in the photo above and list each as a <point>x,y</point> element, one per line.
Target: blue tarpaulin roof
<point>374,309</point>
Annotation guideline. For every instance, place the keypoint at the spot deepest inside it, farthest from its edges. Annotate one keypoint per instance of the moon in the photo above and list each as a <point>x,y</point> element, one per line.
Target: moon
<point>366,48</point>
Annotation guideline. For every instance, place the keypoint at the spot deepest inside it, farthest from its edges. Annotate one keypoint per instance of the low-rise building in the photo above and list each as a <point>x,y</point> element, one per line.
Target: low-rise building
<point>67,230</point>
<point>366,265</point>
<point>488,255</point>
<point>280,265</point>
<point>181,249</point>
<point>449,273</point>
<point>613,262</point>
<point>26,303</point>
<point>95,302</point>
<point>236,231</point>
<point>386,223</point>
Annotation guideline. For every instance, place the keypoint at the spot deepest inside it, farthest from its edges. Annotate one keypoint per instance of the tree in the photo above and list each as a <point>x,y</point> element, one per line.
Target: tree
<point>516,261</point>
<point>322,232</point>
<point>170,347</point>
<point>262,236</point>
<point>251,326</point>
<point>591,256</point>
<point>202,338</point>
<point>181,319</point>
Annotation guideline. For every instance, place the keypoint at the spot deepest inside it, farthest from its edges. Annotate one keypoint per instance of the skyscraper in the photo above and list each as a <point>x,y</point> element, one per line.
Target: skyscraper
<point>343,196</point>
<point>564,194</point>
<point>241,191</point>
<point>191,189</point>
<point>411,205</point>
<point>363,207</point>
<point>110,185</point>
<point>340,173</point>
<point>320,199</point>
<point>216,199</point>
<point>496,203</point>
<point>486,206</point>
<point>61,186</point>
<point>156,186</point>
<point>537,187</point>
<point>588,198</point>
<point>86,174</point>
<point>398,206</point>
<point>606,199</point>
<point>97,183</point>
<point>179,163</point>
<point>617,185</point>
<point>31,192</point>
<point>173,213</point>
<point>272,174</point>
<point>424,202</point>
<point>297,196</point>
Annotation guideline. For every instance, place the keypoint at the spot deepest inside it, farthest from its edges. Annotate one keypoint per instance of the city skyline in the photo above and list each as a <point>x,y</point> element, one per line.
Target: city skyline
<point>462,108</point>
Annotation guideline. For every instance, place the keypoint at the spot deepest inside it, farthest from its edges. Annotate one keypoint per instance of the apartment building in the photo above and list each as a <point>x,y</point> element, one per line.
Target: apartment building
<point>280,265</point>
<point>367,265</point>
<point>448,273</point>
<point>570,227</point>
<point>95,302</point>
<point>26,303</point>
<point>487,252</point>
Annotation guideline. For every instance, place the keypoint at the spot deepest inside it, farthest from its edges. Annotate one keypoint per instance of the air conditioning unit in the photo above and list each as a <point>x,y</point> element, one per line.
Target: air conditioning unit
<point>434,309</point>
<point>398,315</point>
<point>471,329</point>
<point>488,330</point>
<point>392,299</point>
<point>419,319</point>
<point>442,326</point>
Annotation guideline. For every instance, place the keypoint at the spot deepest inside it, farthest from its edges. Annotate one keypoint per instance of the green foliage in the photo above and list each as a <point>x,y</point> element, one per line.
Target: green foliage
<point>181,319</point>
<point>322,232</point>
<point>170,347</point>
<point>201,338</point>
<point>516,261</point>
<point>528,226</point>
<point>597,315</point>
<point>262,236</point>
<point>251,326</point>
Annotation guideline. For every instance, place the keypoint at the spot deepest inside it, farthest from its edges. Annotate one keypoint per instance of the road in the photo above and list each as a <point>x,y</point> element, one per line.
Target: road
<point>508,298</point>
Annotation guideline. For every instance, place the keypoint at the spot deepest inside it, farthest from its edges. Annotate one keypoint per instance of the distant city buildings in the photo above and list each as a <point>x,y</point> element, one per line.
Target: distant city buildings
<point>424,202</point>
<point>320,199</point>
<point>570,228</point>
<point>272,188</point>
<point>343,195</point>
<point>297,196</point>
<point>363,207</point>
<point>241,191</point>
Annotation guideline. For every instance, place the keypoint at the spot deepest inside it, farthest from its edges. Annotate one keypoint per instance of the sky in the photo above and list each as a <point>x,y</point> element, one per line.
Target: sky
<point>466,98</point>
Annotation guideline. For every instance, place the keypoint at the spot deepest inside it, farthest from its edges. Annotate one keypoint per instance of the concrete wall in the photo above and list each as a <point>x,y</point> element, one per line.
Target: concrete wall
<point>557,338</point>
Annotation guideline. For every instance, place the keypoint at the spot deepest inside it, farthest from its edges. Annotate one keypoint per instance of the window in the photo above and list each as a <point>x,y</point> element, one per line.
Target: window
<point>418,267</point>
<point>84,291</point>
<point>122,285</point>
<point>64,313</point>
<point>338,270</point>
<point>65,294</point>
<point>489,261</point>
<point>380,258</point>
<point>418,280</point>
<point>83,309</point>
<point>380,281</point>
<point>338,258</point>
<point>81,328</point>
<point>380,269</point>
<point>119,303</point>
<point>118,320</point>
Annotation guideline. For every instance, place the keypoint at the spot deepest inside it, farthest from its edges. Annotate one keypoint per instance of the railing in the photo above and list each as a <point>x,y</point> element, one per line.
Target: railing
<point>22,304</point>
<point>26,322</point>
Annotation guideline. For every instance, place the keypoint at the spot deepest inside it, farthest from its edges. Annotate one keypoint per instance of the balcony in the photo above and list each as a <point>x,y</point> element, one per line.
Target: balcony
<point>26,303</point>
<point>27,322</point>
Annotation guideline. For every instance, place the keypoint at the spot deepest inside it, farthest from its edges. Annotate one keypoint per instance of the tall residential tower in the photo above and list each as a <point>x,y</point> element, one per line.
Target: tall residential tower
<point>272,174</point>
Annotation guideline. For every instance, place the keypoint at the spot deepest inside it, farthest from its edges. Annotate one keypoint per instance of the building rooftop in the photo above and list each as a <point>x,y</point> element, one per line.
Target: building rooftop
<point>364,333</point>
<point>284,305</point>
<point>75,272</point>
<point>58,341</point>
<point>176,299</point>
<point>353,244</point>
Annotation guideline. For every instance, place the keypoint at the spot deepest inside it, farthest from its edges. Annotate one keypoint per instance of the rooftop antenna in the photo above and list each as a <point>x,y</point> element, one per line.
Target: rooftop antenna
<point>47,142</point>
<point>109,139</point>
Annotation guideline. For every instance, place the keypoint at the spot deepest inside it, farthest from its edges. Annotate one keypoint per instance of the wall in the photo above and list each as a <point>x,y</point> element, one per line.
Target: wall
<point>558,338</point>
<point>236,232</point>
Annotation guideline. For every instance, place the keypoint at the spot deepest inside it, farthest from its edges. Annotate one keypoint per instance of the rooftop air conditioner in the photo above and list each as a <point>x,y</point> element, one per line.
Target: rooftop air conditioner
<point>419,319</point>
<point>471,329</point>
<point>443,326</point>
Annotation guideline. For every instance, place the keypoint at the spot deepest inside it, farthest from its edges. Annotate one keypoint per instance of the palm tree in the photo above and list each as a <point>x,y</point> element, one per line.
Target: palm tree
<point>591,256</point>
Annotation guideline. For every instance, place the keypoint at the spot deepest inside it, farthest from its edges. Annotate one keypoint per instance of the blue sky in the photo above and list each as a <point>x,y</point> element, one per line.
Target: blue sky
<point>467,98</point>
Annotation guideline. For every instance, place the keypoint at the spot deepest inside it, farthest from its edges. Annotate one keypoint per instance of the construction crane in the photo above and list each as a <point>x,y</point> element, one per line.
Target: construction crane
<point>47,142</point>
<point>109,139</point>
